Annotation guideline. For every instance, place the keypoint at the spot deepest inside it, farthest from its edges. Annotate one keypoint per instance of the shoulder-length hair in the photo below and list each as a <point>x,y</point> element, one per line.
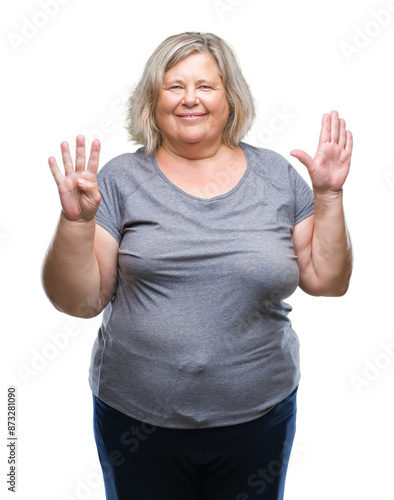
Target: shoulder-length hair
<point>141,122</point>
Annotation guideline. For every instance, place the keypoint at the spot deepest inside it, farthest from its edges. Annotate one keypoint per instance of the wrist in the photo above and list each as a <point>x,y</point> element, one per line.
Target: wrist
<point>328,195</point>
<point>79,228</point>
<point>74,222</point>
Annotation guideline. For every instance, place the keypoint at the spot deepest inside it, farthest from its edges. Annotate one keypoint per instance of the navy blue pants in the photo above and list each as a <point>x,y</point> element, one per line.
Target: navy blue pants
<point>237,462</point>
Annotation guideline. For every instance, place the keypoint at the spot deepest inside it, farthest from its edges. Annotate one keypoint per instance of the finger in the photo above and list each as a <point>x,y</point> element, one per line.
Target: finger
<point>342,133</point>
<point>334,126</point>
<point>57,175</point>
<point>90,189</point>
<point>325,133</point>
<point>302,157</point>
<point>80,158</point>
<point>93,162</point>
<point>67,160</point>
<point>349,143</point>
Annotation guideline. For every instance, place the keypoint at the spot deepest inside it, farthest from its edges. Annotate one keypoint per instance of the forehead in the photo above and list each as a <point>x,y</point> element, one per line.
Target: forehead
<point>196,64</point>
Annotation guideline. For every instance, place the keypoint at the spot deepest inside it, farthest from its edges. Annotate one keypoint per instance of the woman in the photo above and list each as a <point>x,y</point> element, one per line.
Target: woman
<point>190,246</point>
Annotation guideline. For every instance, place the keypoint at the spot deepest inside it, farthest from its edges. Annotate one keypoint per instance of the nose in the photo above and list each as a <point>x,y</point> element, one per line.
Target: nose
<point>190,97</point>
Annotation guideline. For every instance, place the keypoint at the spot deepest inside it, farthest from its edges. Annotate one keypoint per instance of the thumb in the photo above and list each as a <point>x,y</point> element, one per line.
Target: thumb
<point>302,157</point>
<point>90,189</point>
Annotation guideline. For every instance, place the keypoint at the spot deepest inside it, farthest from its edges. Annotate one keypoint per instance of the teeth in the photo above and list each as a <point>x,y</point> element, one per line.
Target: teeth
<point>191,116</point>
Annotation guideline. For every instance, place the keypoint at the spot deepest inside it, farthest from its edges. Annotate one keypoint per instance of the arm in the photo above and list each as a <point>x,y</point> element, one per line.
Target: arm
<point>80,268</point>
<point>321,242</point>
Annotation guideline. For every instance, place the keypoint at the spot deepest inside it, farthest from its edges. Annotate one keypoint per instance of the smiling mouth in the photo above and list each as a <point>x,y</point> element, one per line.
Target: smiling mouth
<point>191,117</point>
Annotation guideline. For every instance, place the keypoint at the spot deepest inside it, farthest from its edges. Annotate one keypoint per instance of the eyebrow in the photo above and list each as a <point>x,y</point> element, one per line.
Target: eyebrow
<point>209,82</point>
<point>177,80</point>
<point>198,82</point>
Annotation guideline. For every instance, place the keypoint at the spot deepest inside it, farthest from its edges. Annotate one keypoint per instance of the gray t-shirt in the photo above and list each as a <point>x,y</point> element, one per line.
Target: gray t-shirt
<point>197,333</point>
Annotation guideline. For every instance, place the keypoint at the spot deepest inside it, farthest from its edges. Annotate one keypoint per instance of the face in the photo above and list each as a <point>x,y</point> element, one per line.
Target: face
<point>192,106</point>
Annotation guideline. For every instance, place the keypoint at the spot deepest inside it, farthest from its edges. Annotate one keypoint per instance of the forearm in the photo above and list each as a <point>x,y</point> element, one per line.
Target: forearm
<point>70,274</point>
<point>331,251</point>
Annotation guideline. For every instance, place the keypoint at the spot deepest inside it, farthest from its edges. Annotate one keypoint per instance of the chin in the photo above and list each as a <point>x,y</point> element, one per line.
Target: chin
<point>192,139</point>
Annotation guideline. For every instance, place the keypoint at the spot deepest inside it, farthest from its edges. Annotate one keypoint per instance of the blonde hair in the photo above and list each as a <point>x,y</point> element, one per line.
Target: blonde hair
<point>141,105</point>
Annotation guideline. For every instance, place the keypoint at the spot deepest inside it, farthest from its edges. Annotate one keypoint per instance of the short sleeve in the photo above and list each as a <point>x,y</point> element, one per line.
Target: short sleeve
<point>109,214</point>
<point>303,196</point>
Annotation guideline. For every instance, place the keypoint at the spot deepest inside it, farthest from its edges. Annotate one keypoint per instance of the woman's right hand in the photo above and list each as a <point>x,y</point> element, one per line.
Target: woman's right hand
<point>78,190</point>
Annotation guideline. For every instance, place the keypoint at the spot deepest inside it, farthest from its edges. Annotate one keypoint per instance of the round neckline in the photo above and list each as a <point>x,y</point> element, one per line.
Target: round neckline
<point>224,195</point>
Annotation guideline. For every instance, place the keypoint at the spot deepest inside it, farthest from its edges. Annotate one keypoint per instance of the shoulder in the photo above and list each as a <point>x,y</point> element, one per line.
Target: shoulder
<point>127,170</point>
<point>269,164</point>
<point>125,163</point>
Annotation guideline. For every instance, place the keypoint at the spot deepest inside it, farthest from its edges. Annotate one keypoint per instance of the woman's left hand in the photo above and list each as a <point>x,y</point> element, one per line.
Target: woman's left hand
<point>330,166</point>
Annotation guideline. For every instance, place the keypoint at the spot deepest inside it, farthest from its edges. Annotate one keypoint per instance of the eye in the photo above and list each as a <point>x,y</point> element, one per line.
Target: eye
<point>175,87</point>
<point>205,87</point>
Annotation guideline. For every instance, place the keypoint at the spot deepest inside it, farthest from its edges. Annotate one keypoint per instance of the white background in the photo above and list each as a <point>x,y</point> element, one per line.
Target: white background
<point>70,76</point>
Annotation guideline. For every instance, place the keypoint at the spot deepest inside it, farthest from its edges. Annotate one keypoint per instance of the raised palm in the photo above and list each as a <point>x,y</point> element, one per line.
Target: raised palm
<point>78,190</point>
<point>330,166</point>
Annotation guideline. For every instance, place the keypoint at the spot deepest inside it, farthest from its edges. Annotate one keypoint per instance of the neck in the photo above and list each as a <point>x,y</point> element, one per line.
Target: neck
<point>193,152</point>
